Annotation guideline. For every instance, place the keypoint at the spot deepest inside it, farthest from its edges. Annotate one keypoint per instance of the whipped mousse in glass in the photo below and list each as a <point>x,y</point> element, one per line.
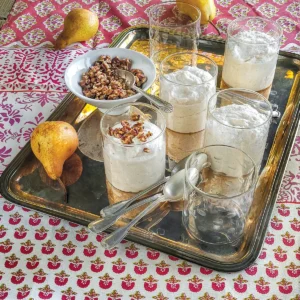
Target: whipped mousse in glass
<point>239,118</point>
<point>251,54</point>
<point>134,146</point>
<point>187,80</point>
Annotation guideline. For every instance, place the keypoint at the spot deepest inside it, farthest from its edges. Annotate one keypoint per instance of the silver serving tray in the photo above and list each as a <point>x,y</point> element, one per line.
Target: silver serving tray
<point>23,182</point>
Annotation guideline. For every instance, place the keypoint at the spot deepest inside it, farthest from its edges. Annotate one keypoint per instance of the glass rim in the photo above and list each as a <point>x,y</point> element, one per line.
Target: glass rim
<point>215,196</point>
<point>214,76</point>
<point>277,40</point>
<point>170,3</point>
<point>132,104</point>
<point>240,90</point>
<point>165,49</point>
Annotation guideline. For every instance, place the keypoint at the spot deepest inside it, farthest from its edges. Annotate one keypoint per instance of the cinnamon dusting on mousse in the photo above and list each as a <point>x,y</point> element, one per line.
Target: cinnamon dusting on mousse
<point>128,132</point>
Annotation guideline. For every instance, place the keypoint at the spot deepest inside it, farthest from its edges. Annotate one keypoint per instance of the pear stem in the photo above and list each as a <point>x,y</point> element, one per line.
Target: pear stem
<point>215,27</point>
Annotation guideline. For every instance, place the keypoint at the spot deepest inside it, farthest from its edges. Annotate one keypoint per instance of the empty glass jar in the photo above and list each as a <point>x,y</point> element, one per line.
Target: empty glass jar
<point>219,187</point>
<point>174,25</point>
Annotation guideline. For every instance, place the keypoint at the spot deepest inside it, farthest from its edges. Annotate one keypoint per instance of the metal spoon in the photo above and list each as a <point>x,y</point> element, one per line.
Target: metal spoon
<point>259,105</point>
<point>173,191</point>
<point>104,223</point>
<point>116,207</point>
<point>130,82</point>
<point>179,166</point>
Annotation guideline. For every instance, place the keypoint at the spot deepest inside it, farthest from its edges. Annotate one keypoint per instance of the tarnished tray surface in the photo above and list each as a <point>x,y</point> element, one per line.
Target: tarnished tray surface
<point>21,181</point>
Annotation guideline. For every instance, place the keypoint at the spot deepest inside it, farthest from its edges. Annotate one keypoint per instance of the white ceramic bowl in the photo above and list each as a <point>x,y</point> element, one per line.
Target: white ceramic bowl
<point>81,64</point>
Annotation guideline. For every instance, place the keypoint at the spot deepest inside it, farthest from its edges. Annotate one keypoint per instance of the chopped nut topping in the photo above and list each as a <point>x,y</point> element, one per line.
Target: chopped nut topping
<point>140,77</point>
<point>135,117</point>
<point>149,133</point>
<point>125,123</point>
<point>147,150</point>
<point>101,81</point>
<point>127,133</point>
<point>110,131</point>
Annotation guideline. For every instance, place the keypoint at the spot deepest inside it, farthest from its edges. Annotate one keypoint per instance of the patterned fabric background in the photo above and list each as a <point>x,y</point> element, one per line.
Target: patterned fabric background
<point>35,69</point>
<point>38,23</point>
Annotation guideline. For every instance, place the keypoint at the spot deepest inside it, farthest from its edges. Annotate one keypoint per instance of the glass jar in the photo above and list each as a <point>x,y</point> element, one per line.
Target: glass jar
<point>239,118</point>
<point>134,146</point>
<point>251,54</point>
<point>219,187</point>
<point>173,25</point>
<point>187,80</point>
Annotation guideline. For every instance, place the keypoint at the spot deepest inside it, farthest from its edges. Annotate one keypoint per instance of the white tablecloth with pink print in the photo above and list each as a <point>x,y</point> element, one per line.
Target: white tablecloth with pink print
<point>42,257</point>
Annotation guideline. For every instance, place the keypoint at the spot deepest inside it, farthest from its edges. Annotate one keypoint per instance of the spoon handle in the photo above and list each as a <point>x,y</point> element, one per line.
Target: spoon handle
<point>162,104</point>
<point>102,224</point>
<point>113,209</point>
<point>117,236</point>
<point>257,104</point>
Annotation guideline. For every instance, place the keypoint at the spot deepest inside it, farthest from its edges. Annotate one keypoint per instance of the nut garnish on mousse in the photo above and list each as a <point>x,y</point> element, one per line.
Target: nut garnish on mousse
<point>101,82</point>
<point>134,153</point>
<point>130,131</point>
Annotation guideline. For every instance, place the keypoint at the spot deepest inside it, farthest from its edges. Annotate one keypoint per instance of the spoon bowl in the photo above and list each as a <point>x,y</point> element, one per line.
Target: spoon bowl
<point>173,189</point>
<point>179,166</point>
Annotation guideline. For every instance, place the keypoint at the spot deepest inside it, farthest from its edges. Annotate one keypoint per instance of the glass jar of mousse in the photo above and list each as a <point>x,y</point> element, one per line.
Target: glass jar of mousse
<point>134,146</point>
<point>251,54</point>
<point>239,118</point>
<point>187,80</point>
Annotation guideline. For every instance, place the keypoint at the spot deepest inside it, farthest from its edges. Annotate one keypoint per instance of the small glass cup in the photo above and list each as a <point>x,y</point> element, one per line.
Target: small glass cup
<point>174,25</point>
<point>219,187</point>
<point>136,166</point>
<point>178,73</point>
<point>251,54</point>
<point>241,119</point>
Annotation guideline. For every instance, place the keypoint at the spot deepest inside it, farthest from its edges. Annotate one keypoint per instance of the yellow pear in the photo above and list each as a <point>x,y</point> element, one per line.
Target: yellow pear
<point>207,8</point>
<point>53,143</point>
<point>79,25</point>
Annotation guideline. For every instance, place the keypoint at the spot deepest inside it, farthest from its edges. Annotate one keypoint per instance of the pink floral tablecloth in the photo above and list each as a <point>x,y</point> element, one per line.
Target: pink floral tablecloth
<point>39,22</point>
<point>42,257</point>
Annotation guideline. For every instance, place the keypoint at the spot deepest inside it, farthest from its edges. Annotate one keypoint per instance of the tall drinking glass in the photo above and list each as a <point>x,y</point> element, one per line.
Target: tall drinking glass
<point>251,54</point>
<point>241,119</point>
<point>134,146</point>
<point>187,80</point>
<point>174,25</point>
<point>219,187</point>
